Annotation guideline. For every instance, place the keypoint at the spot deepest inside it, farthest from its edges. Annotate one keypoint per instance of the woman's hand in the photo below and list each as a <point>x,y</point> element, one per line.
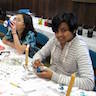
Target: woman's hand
<point>37,63</point>
<point>13,27</point>
<point>47,74</point>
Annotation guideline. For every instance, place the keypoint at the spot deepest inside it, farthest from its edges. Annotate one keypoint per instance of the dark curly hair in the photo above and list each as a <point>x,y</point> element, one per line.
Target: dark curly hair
<point>69,18</point>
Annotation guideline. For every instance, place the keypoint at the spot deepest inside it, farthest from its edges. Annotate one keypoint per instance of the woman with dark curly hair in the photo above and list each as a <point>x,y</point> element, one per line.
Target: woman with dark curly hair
<point>69,54</point>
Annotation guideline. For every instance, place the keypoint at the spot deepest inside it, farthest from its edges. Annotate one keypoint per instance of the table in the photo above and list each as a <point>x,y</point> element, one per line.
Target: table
<point>91,42</point>
<point>16,81</point>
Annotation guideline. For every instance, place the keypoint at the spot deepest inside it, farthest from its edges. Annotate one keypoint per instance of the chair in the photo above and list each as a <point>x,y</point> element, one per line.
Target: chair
<point>93,58</point>
<point>41,40</point>
<point>3,30</point>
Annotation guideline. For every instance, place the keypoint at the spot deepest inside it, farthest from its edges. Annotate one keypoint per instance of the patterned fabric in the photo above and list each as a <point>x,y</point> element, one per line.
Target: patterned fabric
<point>29,39</point>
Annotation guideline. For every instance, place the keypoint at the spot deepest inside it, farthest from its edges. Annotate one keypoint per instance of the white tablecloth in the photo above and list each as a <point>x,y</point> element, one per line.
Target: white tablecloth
<point>91,42</point>
<point>16,81</point>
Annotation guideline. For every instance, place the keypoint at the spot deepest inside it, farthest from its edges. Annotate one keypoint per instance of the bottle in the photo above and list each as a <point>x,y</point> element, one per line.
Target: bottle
<point>46,22</point>
<point>80,30</point>
<point>90,33</point>
<point>49,22</point>
<point>7,22</point>
<point>41,69</point>
<point>40,21</point>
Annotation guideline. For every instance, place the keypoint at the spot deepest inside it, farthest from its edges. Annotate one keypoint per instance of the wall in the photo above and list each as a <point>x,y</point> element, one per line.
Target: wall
<point>86,12</point>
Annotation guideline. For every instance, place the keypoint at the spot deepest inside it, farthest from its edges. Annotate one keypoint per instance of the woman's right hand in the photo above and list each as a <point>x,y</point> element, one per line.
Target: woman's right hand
<point>37,63</point>
<point>13,27</point>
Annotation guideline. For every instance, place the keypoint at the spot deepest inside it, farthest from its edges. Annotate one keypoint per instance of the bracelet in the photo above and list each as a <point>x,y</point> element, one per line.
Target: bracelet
<point>13,33</point>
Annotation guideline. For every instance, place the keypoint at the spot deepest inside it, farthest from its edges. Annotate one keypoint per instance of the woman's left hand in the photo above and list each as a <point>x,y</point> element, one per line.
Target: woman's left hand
<point>45,74</point>
<point>13,27</point>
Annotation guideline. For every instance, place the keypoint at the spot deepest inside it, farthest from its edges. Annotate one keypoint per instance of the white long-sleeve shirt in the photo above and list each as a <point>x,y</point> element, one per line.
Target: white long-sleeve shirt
<point>73,58</point>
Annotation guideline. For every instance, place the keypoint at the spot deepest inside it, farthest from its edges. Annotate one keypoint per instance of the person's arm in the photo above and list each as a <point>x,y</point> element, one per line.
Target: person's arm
<point>44,51</point>
<point>19,47</point>
<point>7,42</point>
<point>86,75</point>
<point>15,44</point>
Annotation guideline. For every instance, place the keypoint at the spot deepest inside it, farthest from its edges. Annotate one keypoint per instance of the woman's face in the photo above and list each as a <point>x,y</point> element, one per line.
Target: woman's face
<point>19,22</point>
<point>63,35</point>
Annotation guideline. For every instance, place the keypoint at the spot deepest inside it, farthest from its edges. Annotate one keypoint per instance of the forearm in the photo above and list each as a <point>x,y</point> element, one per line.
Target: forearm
<point>11,44</point>
<point>20,48</point>
<point>41,54</point>
<point>86,83</point>
<point>44,52</point>
<point>37,56</point>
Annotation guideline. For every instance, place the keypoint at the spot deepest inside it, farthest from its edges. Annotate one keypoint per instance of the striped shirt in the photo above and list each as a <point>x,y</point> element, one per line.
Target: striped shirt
<point>73,58</point>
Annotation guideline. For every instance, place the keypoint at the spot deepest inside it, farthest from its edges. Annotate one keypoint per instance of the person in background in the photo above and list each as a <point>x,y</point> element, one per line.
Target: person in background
<point>21,33</point>
<point>69,54</point>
